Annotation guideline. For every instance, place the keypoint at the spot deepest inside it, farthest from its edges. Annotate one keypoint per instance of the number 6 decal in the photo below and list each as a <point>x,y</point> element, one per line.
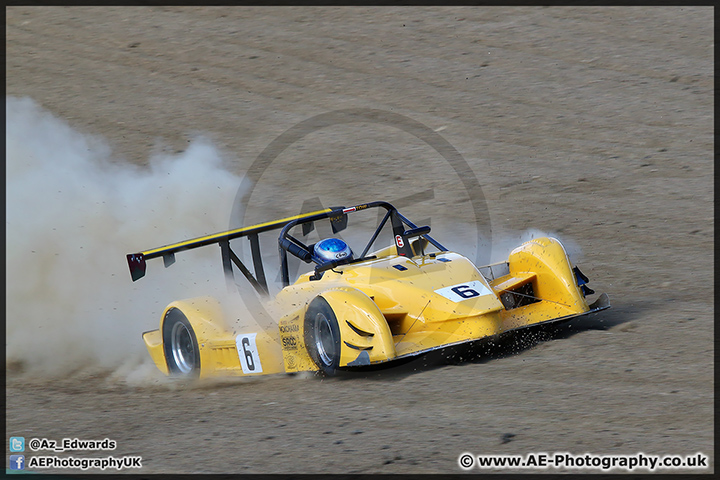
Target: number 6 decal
<point>248,353</point>
<point>464,291</point>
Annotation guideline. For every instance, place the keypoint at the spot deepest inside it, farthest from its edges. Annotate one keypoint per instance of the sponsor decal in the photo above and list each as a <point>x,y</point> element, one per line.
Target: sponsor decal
<point>291,361</point>
<point>289,328</point>
<point>290,343</point>
<point>355,208</point>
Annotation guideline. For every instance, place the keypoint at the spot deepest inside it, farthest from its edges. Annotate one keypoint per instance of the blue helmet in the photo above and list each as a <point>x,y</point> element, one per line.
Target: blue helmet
<point>332,249</point>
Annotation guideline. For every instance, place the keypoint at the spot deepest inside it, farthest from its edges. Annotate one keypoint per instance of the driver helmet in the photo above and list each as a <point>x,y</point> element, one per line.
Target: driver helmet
<point>332,249</point>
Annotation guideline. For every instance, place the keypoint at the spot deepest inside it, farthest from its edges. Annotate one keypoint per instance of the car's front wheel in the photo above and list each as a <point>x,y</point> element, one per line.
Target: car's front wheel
<point>322,336</point>
<point>181,347</point>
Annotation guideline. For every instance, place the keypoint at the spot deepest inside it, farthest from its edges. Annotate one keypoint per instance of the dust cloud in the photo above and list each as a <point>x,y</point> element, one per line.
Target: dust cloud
<point>73,213</point>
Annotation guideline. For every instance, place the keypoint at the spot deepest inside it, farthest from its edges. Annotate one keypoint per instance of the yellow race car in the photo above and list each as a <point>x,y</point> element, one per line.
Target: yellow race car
<point>360,309</point>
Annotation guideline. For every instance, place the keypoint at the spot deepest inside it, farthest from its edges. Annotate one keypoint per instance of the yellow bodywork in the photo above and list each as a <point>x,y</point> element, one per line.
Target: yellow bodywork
<point>390,307</point>
<point>217,345</point>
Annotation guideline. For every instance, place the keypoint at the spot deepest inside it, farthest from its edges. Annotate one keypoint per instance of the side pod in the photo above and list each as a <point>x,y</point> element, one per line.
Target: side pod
<point>552,291</point>
<point>546,258</point>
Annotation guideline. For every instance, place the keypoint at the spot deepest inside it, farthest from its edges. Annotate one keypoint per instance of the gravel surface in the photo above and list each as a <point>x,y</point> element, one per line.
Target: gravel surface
<point>595,123</point>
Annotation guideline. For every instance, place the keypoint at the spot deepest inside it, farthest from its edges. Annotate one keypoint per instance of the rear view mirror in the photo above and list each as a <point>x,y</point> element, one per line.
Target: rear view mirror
<point>416,232</point>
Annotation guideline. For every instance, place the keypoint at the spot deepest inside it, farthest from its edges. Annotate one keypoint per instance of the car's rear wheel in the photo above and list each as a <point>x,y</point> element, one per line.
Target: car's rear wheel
<point>322,336</point>
<point>181,347</point>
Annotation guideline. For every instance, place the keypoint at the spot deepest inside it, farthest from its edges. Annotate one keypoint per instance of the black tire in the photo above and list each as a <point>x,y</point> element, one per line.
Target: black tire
<point>181,346</point>
<point>322,336</point>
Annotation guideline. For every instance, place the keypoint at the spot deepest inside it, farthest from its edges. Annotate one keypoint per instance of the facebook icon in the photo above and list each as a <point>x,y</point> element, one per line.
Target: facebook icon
<point>17,462</point>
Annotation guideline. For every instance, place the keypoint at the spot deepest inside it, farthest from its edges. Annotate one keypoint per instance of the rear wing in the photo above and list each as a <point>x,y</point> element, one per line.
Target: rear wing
<point>136,261</point>
<point>338,222</point>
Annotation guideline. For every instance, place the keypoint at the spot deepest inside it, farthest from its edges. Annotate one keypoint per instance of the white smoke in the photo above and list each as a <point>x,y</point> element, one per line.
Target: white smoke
<point>73,215</point>
<point>506,241</point>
